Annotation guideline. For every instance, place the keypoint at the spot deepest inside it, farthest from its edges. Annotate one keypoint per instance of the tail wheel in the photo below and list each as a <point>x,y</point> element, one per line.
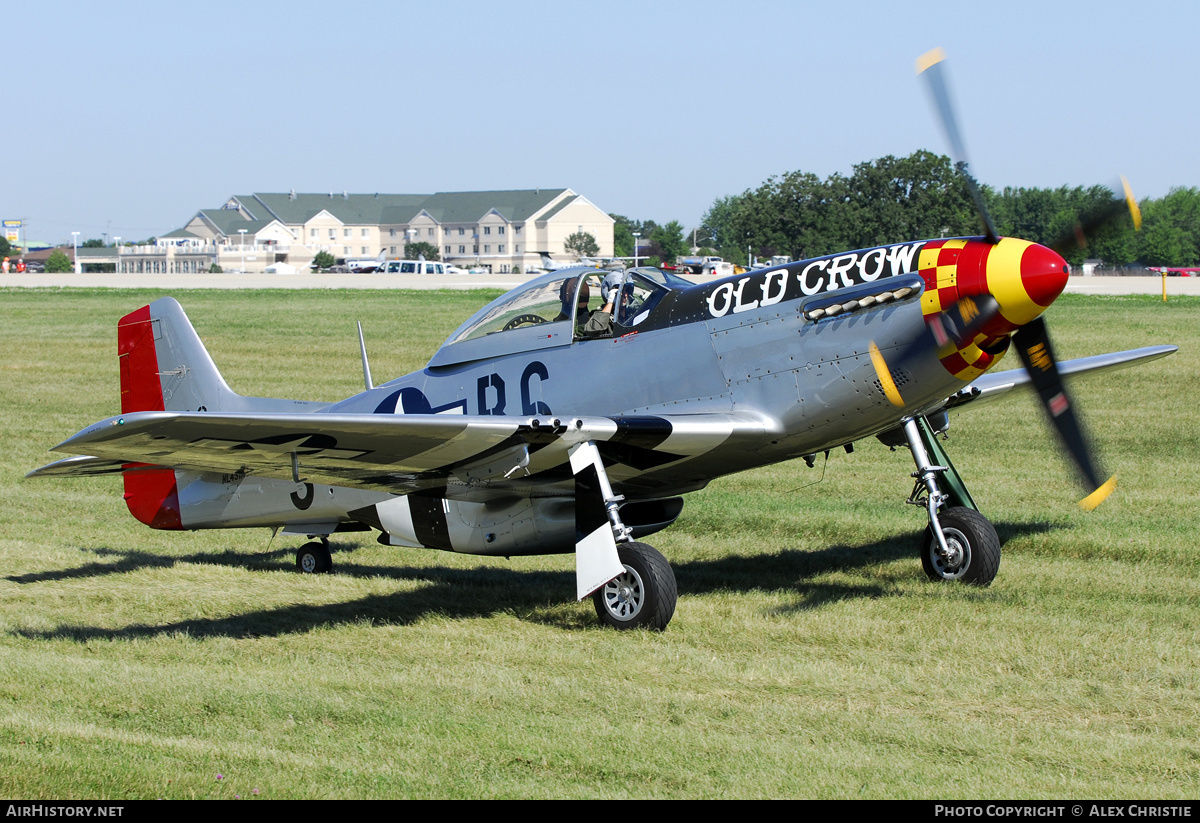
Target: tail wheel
<point>974,548</point>
<point>313,558</point>
<point>644,596</point>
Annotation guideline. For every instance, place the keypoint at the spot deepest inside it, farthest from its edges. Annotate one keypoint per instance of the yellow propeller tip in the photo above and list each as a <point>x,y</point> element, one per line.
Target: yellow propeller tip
<point>1134,211</point>
<point>930,58</point>
<point>1099,495</point>
<point>885,376</point>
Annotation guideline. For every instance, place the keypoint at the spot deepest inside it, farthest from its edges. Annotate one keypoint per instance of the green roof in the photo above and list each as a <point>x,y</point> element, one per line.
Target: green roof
<point>471,206</point>
<point>228,221</point>
<point>381,209</point>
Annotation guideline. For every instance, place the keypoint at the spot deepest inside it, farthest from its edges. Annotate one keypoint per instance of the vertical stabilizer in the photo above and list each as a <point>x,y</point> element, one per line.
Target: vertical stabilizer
<point>164,367</point>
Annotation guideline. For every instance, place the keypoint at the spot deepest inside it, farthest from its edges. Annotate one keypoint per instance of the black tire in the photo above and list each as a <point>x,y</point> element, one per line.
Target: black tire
<point>313,558</point>
<point>974,546</point>
<point>644,596</point>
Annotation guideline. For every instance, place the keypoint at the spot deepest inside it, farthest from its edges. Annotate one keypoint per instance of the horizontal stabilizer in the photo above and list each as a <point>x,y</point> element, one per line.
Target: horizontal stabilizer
<point>80,467</point>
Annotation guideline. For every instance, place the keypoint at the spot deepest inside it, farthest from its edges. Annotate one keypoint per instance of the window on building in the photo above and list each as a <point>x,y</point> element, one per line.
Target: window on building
<point>366,232</point>
<point>517,249</point>
<point>391,233</point>
<point>500,230</point>
<point>516,229</point>
<point>487,229</point>
<point>461,232</point>
<point>462,249</point>
<point>475,249</point>
<point>447,250</point>
<point>429,232</point>
<point>364,249</point>
<point>312,233</point>
<point>500,249</point>
<point>332,233</point>
<point>345,232</point>
<point>345,250</point>
<point>392,250</point>
<point>487,249</point>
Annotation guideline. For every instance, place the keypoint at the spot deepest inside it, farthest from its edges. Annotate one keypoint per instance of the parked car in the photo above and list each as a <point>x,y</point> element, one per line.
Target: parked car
<point>412,267</point>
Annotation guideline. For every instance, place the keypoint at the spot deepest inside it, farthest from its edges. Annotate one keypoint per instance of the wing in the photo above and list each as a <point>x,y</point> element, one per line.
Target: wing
<point>394,453</point>
<point>993,386</point>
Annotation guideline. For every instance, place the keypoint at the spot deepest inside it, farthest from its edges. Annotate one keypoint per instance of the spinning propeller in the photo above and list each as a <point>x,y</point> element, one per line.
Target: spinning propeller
<point>1001,293</point>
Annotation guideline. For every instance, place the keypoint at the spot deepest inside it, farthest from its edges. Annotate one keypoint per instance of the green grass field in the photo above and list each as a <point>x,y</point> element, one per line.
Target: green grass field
<point>808,657</point>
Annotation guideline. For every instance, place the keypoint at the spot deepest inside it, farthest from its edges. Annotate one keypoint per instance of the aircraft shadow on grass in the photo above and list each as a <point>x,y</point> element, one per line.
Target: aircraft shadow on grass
<point>535,596</point>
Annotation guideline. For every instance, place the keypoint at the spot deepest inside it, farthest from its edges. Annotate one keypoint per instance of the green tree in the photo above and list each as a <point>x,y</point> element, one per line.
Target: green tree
<point>92,243</point>
<point>58,262</point>
<point>5,247</point>
<point>908,198</point>
<point>1053,217</point>
<point>623,229</point>
<point>1171,229</point>
<point>622,235</point>
<point>582,244</point>
<point>413,251</point>
<point>322,261</point>
<point>667,242</point>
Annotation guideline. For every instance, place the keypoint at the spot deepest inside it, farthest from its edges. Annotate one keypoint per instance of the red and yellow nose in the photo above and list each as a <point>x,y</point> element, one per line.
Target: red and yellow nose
<point>1023,277</point>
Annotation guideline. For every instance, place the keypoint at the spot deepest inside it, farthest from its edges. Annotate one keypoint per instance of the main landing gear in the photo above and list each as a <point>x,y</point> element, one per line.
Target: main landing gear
<point>959,543</point>
<point>645,593</point>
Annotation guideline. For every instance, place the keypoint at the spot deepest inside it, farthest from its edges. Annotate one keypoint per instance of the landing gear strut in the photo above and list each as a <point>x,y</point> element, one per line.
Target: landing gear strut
<point>960,543</point>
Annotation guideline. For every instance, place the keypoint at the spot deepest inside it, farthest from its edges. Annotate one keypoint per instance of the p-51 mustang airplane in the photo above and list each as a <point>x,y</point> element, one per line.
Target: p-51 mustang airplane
<point>545,424</point>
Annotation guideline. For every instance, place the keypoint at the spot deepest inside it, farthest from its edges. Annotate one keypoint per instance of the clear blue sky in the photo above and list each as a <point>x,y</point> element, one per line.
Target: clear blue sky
<point>128,117</point>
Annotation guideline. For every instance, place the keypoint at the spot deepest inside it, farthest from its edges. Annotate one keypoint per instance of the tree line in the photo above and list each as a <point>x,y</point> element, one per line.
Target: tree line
<point>923,196</point>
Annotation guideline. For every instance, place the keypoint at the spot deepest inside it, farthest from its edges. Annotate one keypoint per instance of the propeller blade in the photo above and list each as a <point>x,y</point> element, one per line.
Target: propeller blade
<point>961,323</point>
<point>1123,204</point>
<point>957,325</point>
<point>1033,346</point>
<point>930,65</point>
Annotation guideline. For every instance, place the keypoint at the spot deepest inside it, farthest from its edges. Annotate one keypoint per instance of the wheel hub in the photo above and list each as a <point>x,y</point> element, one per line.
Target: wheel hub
<point>953,558</point>
<point>623,595</point>
<point>953,563</point>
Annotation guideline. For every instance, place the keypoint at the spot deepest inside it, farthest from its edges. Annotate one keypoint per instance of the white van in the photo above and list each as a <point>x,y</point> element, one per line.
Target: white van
<point>412,267</point>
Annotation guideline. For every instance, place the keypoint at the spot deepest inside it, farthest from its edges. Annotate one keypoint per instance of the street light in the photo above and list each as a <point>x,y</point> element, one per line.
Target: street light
<point>242,249</point>
<point>636,235</point>
<point>75,240</point>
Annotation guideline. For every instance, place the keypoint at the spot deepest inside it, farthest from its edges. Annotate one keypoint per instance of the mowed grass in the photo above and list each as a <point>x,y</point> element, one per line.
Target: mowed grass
<point>808,657</point>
